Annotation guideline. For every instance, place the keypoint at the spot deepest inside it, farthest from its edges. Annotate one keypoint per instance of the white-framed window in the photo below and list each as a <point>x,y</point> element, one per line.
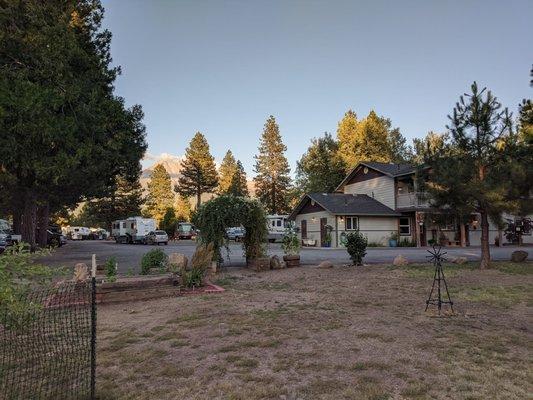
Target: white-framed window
<point>405,226</point>
<point>351,223</point>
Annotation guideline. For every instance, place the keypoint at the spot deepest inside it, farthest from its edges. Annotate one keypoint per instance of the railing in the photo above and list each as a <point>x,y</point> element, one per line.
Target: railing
<point>411,200</point>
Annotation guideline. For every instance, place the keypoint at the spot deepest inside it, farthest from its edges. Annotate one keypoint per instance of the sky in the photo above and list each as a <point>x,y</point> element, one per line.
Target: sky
<point>222,67</point>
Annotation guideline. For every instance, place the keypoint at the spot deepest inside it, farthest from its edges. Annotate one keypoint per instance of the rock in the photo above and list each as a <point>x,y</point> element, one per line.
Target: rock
<point>459,260</point>
<point>81,272</point>
<point>400,260</point>
<point>325,264</point>
<point>519,256</point>
<point>275,263</point>
<point>178,261</point>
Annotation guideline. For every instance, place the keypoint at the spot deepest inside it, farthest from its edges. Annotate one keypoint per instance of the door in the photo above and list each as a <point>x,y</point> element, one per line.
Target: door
<point>304,229</point>
<point>323,233</point>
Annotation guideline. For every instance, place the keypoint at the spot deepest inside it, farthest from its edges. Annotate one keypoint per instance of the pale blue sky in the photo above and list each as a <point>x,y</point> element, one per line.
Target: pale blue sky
<point>222,67</point>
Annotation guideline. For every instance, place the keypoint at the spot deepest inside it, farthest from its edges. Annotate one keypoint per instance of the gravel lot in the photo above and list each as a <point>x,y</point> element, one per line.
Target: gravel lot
<point>129,256</point>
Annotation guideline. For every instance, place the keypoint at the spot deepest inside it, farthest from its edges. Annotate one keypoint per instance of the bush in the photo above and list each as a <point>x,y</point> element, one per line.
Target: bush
<point>356,246</point>
<point>200,262</point>
<point>155,258</point>
<point>290,243</point>
<point>111,269</point>
<point>405,242</point>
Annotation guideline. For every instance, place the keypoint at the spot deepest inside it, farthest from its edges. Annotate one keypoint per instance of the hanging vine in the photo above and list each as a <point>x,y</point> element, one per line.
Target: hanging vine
<point>220,213</point>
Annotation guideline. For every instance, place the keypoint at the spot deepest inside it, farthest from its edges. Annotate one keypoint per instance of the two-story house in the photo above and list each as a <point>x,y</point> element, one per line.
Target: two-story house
<point>380,200</point>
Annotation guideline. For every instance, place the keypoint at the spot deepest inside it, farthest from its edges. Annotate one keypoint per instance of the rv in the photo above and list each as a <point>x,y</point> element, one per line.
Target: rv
<point>132,230</point>
<point>186,230</point>
<point>276,225</point>
<point>78,232</point>
<point>6,232</point>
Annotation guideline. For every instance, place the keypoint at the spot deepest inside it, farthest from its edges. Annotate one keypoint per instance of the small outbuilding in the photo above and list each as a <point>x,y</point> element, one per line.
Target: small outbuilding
<point>324,219</point>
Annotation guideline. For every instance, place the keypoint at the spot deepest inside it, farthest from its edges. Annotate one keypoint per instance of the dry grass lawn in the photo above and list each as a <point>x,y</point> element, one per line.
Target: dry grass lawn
<point>309,333</point>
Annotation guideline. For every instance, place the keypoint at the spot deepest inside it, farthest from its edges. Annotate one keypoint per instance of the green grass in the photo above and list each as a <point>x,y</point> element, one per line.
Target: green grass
<point>501,296</point>
<point>525,268</point>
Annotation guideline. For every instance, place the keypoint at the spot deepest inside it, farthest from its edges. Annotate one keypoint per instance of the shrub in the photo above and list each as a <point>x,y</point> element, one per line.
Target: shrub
<point>111,269</point>
<point>290,243</point>
<point>356,244</point>
<point>155,258</point>
<point>200,262</point>
<point>405,242</point>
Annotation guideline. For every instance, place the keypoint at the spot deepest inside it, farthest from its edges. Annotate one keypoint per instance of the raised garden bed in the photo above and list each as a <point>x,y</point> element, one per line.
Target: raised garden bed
<point>146,287</point>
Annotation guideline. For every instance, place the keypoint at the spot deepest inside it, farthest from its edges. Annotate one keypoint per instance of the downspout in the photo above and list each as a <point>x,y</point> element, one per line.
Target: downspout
<point>336,231</point>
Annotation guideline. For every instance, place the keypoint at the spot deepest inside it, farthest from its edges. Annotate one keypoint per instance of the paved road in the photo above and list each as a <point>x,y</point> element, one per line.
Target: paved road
<point>129,256</point>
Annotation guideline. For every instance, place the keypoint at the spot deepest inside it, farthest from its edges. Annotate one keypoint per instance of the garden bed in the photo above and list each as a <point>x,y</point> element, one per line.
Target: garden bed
<point>147,287</point>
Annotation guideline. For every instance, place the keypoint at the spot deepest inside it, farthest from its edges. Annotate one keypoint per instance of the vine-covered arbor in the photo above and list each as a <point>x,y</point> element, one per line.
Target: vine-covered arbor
<point>220,213</point>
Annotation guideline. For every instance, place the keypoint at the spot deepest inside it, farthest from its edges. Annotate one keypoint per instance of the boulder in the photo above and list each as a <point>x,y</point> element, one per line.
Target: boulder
<point>459,260</point>
<point>325,264</point>
<point>81,272</point>
<point>178,261</point>
<point>275,263</point>
<point>519,256</point>
<point>400,260</point>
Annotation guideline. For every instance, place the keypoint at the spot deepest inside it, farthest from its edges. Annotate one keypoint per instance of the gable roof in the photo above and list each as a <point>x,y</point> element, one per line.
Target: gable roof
<point>389,169</point>
<point>346,204</point>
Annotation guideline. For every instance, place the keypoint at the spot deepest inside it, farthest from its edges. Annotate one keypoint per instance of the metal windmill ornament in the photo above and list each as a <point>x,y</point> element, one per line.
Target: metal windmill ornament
<point>439,282</point>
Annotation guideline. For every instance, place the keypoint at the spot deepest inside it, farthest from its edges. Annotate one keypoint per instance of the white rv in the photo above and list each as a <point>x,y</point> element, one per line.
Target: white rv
<point>276,225</point>
<point>78,232</point>
<point>132,230</point>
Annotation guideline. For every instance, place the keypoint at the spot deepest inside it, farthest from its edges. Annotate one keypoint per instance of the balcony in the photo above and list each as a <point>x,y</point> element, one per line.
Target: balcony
<point>414,199</point>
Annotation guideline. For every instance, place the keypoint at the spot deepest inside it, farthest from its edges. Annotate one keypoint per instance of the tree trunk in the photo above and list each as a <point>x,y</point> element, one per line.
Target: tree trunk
<point>43,216</point>
<point>198,199</point>
<point>17,215</point>
<point>485,249</point>
<point>29,220</point>
<point>463,235</point>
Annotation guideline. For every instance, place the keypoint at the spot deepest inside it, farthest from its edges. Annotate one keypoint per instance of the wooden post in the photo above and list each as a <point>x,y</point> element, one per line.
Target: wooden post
<point>93,269</point>
<point>462,234</point>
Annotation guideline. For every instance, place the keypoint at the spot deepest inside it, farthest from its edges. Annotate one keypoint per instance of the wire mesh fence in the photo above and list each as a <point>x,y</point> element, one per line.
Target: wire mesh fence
<point>47,343</point>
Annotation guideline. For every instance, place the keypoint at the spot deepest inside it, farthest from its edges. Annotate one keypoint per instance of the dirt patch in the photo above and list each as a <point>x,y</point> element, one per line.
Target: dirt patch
<point>308,333</point>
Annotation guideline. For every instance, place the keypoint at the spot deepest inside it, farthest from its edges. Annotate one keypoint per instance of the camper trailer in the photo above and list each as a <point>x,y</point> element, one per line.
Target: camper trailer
<point>6,233</point>
<point>132,230</point>
<point>78,232</point>
<point>276,225</point>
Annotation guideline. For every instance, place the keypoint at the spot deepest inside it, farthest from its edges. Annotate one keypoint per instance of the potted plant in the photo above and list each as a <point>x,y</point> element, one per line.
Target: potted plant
<point>393,239</point>
<point>291,248</point>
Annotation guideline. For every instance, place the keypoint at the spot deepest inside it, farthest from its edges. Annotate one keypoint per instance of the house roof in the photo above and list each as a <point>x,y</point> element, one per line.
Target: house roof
<point>389,169</point>
<point>346,204</point>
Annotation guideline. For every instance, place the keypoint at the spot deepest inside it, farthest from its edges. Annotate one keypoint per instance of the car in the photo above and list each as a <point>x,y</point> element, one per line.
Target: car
<point>156,237</point>
<point>186,231</point>
<point>5,237</point>
<point>3,244</point>
<point>236,233</point>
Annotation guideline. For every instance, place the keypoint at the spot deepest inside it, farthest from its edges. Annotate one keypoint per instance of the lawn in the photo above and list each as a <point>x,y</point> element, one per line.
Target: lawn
<point>341,333</point>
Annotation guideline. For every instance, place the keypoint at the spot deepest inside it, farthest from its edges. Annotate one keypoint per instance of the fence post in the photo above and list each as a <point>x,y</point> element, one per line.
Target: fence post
<point>93,328</point>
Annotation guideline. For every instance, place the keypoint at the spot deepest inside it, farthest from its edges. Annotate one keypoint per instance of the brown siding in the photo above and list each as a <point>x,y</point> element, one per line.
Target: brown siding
<point>309,208</point>
<point>360,176</point>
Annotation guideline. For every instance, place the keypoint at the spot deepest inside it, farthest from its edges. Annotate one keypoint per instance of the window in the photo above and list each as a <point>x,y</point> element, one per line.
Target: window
<point>124,225</point>
<point>278,222</point>
<point>351,223</point>
<point>405,226</point>
<point>304,229</point>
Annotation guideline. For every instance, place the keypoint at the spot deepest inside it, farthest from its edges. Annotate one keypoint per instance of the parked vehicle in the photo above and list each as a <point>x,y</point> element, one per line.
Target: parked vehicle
<point>53,236</point>
<point>156,237</point>
<point>133,230</point>
<point>236,233</point>
<point>3,245</point>
<point>78,232</point>
<point>98,234</point>
<point>276,225</point>
<point>186,231</point>
<point>10,236</point>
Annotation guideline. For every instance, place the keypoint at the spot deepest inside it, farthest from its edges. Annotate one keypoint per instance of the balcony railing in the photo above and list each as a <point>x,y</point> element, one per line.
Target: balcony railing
<point>411,200</point>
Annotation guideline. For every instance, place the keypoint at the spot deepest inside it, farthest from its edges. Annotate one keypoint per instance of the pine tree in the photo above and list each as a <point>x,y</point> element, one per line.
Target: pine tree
<point>372,140</point>
<point>183,209</point>
<point>320,169</point>
<point>198,174</point>
<point>227,171</point>
<point>428,146</point>
<point>239,183</point>
<point>272,181</point>
<point>169,222</point>
<point>160,196</point>
<point>472,174</point>
<point>346,134</point>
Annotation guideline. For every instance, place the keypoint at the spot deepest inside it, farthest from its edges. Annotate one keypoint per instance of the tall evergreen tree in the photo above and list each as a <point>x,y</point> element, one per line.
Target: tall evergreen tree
<point>372,140</point>
<point>272,181</point>
<point>472,174</point>
<point>124,200</point>
<point>428,146</point>
<point>198,174</point>
<point>183,209</point>
<point>346,136</point>
<point>320,169</point>
<point>56,97</point>
<point>239,183</point>
<point>227,171</point>
<point>160,197</point>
